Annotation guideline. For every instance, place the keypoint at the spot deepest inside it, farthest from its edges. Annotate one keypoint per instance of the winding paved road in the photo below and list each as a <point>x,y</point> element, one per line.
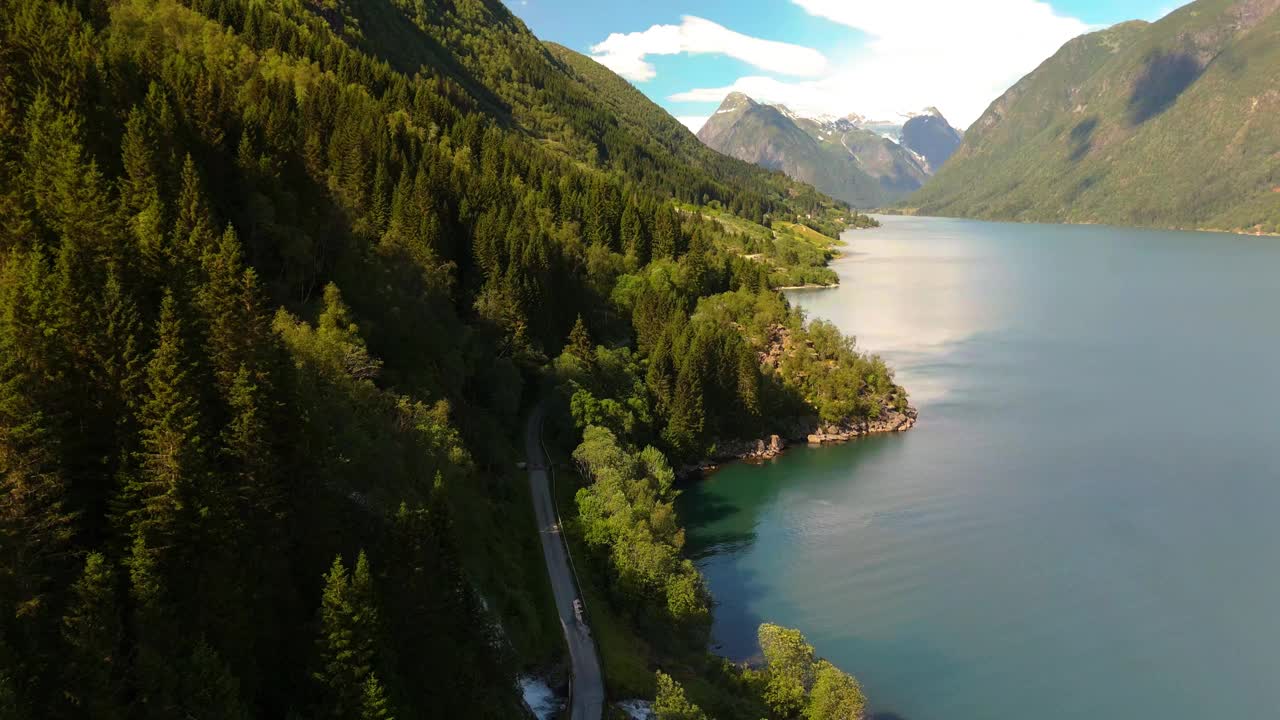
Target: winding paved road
<point>587,688</point>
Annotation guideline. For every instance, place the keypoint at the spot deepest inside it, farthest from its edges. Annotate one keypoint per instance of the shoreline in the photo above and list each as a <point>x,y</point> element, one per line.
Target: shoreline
<point>806,431</point>
<point>808,286</point>
<point>910,212</point>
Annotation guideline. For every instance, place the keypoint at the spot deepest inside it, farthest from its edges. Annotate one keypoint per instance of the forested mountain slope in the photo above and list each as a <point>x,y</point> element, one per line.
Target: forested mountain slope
<point>1171,124</point>
<point>276,280</point>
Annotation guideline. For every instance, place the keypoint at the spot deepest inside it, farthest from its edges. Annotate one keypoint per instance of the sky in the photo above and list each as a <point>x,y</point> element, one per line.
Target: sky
<point>880,59</point>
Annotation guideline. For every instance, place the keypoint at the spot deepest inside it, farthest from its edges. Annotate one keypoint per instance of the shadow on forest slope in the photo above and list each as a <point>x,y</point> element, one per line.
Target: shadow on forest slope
<point>1165,77</point>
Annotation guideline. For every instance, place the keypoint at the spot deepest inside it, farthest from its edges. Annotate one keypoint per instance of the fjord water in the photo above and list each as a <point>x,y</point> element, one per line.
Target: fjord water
<point>1086,520</point>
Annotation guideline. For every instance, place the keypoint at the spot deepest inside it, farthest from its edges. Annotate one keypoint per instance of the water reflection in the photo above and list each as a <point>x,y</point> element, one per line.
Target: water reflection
<point>1089,495</point>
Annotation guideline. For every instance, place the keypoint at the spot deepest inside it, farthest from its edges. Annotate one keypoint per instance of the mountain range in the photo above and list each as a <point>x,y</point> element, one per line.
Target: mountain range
<point>1174,123</point>
<point>864,162</point>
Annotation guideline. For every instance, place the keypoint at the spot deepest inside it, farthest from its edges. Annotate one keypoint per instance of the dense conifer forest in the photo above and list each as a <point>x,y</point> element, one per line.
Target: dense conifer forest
<point>277,281</point>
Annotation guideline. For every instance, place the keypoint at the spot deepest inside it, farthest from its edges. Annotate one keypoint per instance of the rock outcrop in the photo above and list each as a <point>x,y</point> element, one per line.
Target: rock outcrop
<point>802,430</point>
<point>890,420</point>
<point>778,342</point>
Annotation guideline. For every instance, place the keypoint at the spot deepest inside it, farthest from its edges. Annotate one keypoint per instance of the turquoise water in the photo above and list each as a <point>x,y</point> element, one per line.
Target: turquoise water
<point>1086,521</point>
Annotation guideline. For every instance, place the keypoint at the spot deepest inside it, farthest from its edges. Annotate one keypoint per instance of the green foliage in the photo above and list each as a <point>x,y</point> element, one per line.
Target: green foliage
<point>836,695</point>
<point>348,635</point>
<point>789,661</point>
<point>671,703</point>
<point>628,518</point>
<point>94,634</point>
<point>210,691</point>
<point>191,405</point>
<point>375,705</point>
<point>796,684</point>
<point>580,341</point>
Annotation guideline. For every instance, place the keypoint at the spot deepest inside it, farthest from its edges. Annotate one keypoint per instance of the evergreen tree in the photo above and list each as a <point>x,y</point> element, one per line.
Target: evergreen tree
<point>156,657</point>
<point>375,705</point>
<point>94,634</point>
<point>747,368</point>
<point>140,185</point>
<point>67,190</point>
<point>209,690</point>
<point>15,221</point>
<point>635,243</point>
<point>666,233</point>
<point>36,523</point>
<point>237,329</point>
<point>144,210</point>
<point>171,464</point>
<point>687,416</point>
<point>246,440</point>
<point>348,633</point>
<point>580,342</point>
<point>193,229</point>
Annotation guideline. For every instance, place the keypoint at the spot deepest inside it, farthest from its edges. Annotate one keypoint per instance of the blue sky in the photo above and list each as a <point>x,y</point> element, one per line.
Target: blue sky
<point>877,58</point>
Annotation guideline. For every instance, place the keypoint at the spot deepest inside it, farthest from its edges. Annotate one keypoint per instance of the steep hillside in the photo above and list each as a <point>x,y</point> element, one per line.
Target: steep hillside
<point>278,282</point>
<point>1171,124</point>
<point>666,143</point>
<point>769,137</point>
<point>930,136</point>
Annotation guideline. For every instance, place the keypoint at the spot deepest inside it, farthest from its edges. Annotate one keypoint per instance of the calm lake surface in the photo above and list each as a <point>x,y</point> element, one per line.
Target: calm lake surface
<point>1086,521</point>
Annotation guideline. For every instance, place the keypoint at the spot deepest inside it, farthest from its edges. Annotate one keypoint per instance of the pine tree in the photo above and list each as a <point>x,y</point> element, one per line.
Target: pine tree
<point>661,375</point>
<point>36,524</point>
<point>94,634</point>
<point>67,190</point>
<point>375,705</point>
<point>686,416</point>
<point>119,354</point>
<point>209,690</point>
<point>635,242</point>
<point>748,380</point>
<point>139,186</point>
<point>379,206</point>
<point>238,333</point>
<point>15,221</point>
<point>580,342</point>
<point>348,633</point>
<point>144,210</point>
<point>246,440</point>
<point>155,655</point>
<point>193,230</point>
<point>171,464</point>
<point>666,233</point>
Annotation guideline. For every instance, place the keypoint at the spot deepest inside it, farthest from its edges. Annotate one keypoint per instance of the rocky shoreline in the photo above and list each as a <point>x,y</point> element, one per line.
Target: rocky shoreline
<point>802,430</point>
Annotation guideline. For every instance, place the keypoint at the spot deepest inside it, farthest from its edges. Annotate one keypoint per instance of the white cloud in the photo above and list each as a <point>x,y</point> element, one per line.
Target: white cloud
<point>693,122</point>
<point>958,56</point>
<point>625,53</point>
